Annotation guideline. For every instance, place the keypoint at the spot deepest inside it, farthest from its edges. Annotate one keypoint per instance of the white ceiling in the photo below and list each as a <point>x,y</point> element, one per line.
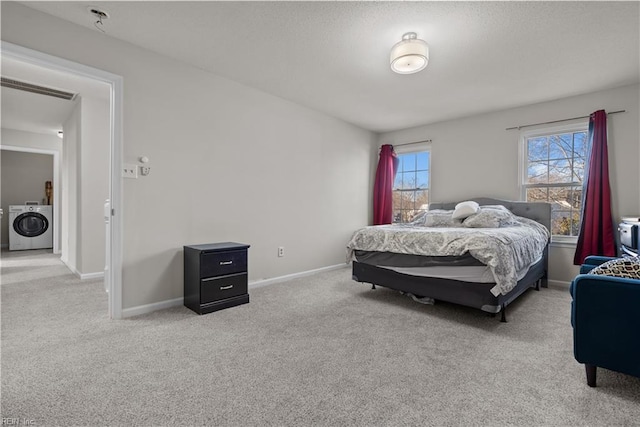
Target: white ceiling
<point>334,56</point>
<point>31,112</point>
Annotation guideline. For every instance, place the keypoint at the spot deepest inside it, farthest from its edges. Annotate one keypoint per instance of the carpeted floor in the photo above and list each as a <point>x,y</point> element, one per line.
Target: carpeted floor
<point>320,350</point>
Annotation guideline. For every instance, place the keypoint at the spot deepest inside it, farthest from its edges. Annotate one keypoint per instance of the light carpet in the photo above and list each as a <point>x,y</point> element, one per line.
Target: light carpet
<point>319,350</point>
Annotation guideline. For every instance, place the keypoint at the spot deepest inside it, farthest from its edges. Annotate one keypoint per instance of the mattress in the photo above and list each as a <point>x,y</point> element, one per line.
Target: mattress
<point>392,259</point>
<point>506,251</point>
<point>470,273</point>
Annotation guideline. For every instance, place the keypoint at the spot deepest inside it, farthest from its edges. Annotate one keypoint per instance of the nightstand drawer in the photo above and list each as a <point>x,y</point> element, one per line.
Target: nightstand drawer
<point>215,276</point>
<point>218,288</point>
<point>223,263</point>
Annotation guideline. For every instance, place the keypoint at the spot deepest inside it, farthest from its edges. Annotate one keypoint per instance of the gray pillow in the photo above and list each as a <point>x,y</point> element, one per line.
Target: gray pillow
<point>419,218</point>
<point>440,218</point>
<point>490,216</point>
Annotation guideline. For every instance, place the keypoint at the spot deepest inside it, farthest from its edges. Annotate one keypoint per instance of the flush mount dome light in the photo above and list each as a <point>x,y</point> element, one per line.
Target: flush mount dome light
<point>409,55</point>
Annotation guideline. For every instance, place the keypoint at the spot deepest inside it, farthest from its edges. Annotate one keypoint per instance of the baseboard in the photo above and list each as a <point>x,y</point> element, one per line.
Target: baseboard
<point>70,267</point>
<point>264,282</point>
<point>559,284</point>
<point>96,275</point>
<point>83,276</point>
<point>148,308</point>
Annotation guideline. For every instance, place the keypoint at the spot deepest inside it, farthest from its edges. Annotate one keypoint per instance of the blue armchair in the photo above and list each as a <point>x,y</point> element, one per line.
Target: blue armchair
<point>605,315</point>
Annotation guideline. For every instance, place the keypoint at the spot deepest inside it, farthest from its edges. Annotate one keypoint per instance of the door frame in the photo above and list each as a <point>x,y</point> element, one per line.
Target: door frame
<point>115,256</point>
<point>55,183</point>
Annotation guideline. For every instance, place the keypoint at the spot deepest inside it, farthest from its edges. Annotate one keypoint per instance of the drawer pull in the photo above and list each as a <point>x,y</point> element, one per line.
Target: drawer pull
<point>226,262</point>
<point>226,287</point>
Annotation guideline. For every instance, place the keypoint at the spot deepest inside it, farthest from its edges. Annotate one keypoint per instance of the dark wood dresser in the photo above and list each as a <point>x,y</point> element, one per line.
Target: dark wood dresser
<point>215,276</point>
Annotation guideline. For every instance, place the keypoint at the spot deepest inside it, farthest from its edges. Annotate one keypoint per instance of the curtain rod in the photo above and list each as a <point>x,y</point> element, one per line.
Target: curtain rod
<point>410,143</point>
<point>558,121</point>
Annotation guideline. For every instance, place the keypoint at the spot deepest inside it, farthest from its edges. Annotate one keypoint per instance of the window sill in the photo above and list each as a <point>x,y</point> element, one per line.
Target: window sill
<point>564,242</point>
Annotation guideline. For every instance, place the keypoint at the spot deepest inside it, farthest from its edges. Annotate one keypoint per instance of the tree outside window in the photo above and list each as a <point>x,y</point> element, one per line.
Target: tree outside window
<point>554,171</point>
<point>411,186</point>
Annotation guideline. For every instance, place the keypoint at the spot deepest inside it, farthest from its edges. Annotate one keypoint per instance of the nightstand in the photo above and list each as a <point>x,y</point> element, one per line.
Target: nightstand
<point>215,276</point>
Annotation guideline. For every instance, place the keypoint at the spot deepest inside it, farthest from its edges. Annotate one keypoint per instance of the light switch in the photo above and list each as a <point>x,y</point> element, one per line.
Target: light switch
<point>130,171</point>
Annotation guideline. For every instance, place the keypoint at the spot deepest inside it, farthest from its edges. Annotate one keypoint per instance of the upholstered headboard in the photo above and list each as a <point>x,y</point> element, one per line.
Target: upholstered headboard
<point>537,211</point>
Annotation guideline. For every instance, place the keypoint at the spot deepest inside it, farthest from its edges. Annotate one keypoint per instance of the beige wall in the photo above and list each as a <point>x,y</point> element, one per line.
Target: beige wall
<point>476,156</point>
<point>93,186</point>
<point>70,198</point>
<point>228,163</point>
<point>23,179</point>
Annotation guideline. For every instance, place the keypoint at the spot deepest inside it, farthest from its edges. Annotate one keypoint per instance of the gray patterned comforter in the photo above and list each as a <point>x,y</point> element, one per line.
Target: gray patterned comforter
<point>505,250</point>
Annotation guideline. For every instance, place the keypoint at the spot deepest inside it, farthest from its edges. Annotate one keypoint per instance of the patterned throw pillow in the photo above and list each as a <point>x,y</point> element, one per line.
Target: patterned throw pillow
<point>440,218</point>
<point>490,217</point>
<point>628,268</point>
<point>419,218</point>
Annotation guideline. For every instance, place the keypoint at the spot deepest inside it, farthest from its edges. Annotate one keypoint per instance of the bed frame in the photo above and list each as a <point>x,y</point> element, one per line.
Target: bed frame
<point>471,294</point>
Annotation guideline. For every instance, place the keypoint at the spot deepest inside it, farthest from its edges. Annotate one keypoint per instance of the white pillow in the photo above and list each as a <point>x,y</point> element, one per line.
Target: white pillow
<point>465,209</point>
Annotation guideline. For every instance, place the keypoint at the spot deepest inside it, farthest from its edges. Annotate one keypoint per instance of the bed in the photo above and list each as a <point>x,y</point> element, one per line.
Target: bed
<point>457,267</point>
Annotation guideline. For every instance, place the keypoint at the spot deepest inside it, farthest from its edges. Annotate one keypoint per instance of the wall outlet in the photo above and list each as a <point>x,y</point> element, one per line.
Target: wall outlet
<point>144,170</point>
<point>129,171</point>
<point>281,251</point>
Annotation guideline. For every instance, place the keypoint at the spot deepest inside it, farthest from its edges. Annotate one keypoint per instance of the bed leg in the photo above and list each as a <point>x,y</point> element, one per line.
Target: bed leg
<point>373,286</point>
<point>538,284</point>
<point>503,318</point>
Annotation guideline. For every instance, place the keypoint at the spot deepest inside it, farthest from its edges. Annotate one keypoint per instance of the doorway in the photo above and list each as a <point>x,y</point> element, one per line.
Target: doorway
<point>55,202</point>
<point>113,261</point>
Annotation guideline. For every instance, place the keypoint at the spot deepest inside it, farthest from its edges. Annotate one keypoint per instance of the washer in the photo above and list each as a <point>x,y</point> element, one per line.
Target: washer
<point>30,227</point>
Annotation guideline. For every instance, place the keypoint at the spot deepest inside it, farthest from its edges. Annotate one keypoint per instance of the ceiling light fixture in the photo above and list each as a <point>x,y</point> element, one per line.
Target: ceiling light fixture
<point>410,55</point>
<point>99,15</point>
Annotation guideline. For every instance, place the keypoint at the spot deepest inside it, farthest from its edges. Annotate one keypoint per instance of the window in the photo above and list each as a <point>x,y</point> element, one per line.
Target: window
<point>411,186</point>
<point>554,163</point>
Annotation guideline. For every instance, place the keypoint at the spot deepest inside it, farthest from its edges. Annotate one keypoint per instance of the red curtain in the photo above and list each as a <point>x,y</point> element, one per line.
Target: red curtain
<point>383,187</point>
<point>596,231</point>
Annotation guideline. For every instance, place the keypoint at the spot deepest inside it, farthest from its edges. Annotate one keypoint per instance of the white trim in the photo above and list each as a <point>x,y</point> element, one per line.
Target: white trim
<point>264,282</point>
<point>70,267</point>
<point>564,243</point>
<point>524,135</point>
<point>149,308</point>
<point>55,183</point>
<point>578,126</point>
<point>422,147</point>
<point>412,148</point>
<point>83,276</point>
<point>575,127</point>
<point>89,276</point>
<point>559,284</point>
<point>115,81</point>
